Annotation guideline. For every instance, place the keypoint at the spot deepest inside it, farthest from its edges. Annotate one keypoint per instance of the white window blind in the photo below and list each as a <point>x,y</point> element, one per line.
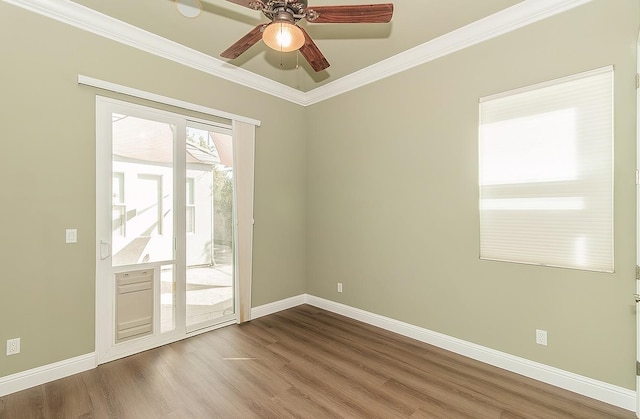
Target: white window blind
<point>546,173</point>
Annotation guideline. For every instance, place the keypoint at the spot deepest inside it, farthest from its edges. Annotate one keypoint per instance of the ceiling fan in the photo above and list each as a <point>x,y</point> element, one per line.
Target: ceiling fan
<point>283,34</point>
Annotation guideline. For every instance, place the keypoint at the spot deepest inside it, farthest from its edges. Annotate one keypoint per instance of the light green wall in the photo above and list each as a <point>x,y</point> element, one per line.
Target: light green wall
<point>393,197</point>
<point>47,144</point>
<point>376,189</point>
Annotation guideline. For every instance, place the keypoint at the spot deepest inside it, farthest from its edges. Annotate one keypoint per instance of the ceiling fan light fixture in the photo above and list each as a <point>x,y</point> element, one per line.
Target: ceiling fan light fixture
<point>283,36</point>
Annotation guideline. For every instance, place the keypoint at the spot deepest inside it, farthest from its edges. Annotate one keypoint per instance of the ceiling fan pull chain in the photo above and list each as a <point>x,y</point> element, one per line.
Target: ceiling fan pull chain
<point>281,44</point>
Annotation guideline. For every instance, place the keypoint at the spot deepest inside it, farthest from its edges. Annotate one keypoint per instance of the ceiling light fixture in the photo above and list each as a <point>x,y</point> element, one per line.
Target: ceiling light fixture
<point>282,34</point>
<point>189,8</point>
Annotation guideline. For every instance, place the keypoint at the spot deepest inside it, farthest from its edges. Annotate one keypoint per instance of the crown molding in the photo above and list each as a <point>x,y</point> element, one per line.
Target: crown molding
<point>512,18</point>
<point>100,24</point>
<point>507,20</point>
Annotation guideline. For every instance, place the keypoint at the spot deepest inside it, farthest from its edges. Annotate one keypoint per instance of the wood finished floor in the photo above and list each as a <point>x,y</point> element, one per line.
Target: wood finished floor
<point>299,363</point>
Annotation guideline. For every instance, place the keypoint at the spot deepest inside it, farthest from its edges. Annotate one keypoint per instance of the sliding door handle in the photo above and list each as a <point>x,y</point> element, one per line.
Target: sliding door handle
<point>105,250</point>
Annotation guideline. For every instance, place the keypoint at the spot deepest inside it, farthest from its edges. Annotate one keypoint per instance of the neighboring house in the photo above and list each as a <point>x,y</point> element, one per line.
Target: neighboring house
<point>143,185</point>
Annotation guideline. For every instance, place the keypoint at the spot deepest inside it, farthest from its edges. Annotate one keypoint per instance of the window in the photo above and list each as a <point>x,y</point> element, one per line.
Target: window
<point>546,173</point>
<point>119,206</point>
<point>191,206</point>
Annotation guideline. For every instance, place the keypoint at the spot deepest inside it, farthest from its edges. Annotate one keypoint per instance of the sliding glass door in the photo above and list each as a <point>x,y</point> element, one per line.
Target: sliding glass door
<point>209,226</point>
<point>166,224</point>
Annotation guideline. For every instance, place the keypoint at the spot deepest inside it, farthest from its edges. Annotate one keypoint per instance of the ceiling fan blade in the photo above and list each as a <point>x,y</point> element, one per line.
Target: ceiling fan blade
<point>365,13</point>
<point>248,3</point>
<point>244,43</point>
<point>312,54</point>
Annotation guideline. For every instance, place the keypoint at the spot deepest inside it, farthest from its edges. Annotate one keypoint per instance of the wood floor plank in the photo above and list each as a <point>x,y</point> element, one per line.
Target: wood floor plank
<point>478,378</point>
<point>300,363</point>
<point>432,379</point>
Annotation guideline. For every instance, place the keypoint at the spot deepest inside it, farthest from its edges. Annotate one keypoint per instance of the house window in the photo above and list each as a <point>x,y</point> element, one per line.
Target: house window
<point>546,173</point>
<point>191,207</point>
<point>119,207</point>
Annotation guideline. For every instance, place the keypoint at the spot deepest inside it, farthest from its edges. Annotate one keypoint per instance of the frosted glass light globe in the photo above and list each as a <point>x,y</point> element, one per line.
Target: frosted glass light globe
<point>283,36</point>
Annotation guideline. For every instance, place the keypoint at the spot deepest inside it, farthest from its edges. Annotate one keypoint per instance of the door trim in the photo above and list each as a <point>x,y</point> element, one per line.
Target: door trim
<point>637,223</point>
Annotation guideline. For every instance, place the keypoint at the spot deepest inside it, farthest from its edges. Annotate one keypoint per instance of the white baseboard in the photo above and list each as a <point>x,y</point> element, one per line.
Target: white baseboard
<point>589,387</point>
<point>41,375</point>
<point>276,306</point>
<point>599,390</point>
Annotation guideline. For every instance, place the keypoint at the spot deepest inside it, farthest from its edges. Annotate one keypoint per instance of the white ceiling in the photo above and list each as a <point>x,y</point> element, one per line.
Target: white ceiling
<point>420,31</point>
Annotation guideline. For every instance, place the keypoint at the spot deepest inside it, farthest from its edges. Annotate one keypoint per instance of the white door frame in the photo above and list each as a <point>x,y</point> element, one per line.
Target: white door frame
<point>106,349</point>
<point>637,229</point>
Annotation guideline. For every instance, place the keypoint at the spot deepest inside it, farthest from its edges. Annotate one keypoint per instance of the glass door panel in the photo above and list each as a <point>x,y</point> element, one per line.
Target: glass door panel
<point>209,226</point>
<point>142,233</point>
<point>167,298</point>
<point>142,163</point>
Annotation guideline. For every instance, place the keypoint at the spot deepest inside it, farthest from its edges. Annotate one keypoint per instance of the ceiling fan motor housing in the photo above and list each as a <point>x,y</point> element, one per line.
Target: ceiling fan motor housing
<point>283,16</point>
<point>273,8</point>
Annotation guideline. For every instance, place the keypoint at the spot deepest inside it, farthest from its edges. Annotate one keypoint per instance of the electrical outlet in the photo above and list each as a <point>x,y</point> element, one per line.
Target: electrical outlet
<point>541,337</point>
<point>339,286</point>
<point>13,346</point>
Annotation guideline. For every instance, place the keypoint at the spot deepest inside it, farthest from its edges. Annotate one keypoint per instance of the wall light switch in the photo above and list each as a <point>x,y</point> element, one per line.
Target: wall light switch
<point>72,235</point>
